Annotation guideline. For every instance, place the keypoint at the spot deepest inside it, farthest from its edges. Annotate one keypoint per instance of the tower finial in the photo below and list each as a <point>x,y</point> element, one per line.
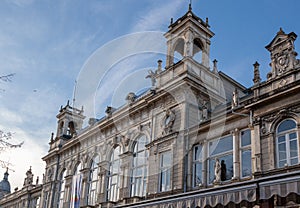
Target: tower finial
<point>190,5</point>
<point>74,94</point>
<point>256,78</point>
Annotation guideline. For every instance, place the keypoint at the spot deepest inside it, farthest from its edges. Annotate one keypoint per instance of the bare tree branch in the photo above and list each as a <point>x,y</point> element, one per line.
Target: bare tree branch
<point>7,78</point>
<point>5,144</point>
<point>4,137</point>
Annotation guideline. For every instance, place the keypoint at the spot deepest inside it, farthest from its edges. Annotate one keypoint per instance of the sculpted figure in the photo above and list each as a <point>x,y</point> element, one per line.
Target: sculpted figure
<point>217,171</point>
<point>168,122</point>
<point>152,76</point>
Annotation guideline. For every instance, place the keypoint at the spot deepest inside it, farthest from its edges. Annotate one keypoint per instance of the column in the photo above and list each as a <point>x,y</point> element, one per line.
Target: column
<point>255,148</point>
<point>68,191</point>
<point>85,186</point>
<point>126,159</point>
<point>170,58</point>
<point>236,155</point>
<point>103,182</point>
<point>205,54</point>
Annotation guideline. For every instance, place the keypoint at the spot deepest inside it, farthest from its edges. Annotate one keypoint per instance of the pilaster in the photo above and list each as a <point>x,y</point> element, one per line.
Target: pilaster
<point>236,155</point>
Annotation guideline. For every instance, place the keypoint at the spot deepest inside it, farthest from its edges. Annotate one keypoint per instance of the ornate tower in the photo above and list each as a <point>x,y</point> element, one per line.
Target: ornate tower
<point>189,37</point>
<point>70,120</point>
<point>283,54</point>
<point>4,185</point>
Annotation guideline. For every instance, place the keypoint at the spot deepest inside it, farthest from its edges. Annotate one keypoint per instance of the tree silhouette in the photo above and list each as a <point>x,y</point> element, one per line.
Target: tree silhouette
<point>6,144</point>
<point>6,136</point>
<point>7,78</point>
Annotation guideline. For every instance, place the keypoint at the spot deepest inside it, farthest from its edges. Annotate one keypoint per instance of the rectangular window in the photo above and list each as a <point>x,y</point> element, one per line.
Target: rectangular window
<point>197,165</point>
<point>221,149</point>
<point>245,153</point>
<point>165,171</point>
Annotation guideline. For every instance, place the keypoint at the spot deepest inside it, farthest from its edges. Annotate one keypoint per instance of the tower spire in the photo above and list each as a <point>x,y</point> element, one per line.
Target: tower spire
<point>190,5</point>
<point>74,94</point>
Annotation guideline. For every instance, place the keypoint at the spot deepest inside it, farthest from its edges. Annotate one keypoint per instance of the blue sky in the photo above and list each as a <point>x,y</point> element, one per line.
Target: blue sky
<point>49,43</point>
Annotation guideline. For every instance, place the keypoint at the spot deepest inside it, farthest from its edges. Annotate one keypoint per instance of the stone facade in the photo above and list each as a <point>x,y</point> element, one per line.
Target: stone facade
<point>29,196</point>
<point>197,138</point>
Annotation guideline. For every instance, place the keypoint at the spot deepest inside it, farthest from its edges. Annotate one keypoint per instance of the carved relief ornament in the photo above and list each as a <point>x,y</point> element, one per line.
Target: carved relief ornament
<point>167,122</point>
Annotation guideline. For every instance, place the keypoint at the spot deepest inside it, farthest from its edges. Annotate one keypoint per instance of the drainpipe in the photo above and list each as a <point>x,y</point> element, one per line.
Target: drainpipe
<point>186,147</point>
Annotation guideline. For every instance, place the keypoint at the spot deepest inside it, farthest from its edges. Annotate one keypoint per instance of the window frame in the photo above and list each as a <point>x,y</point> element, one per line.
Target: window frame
<point>62,189</point>
<point>245,148</point>
<point>195,162</point>
<point>77,173</point>
<point>211,157</point>
<point>93,180</point>
<point>287,141</point>
<point>165,170</point>
<point>115,187</point>
<point>144,176</point>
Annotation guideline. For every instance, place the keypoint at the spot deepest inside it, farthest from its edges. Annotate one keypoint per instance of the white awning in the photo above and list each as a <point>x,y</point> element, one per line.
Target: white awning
<point>209,197</point>
<point>280,187</point>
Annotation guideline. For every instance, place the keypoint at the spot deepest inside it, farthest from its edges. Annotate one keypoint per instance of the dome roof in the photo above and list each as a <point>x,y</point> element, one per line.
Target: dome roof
<point>4,185</point>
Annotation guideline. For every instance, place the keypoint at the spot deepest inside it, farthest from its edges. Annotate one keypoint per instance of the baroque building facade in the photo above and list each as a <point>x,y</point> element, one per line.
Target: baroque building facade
<point>197,138</point>
<point>28,196</point>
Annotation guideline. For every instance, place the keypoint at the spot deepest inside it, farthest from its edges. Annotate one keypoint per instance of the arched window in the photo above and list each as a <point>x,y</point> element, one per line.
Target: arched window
<point>61,194</point>
<point>113,185</point>
<point>71,128</point>
<point>61,128</point>
<point>197,50</point>
<point>287,143</point>
<point>140,167</point>
<point>178,50</point>
<point>76,186</point>
<point>93,181</point>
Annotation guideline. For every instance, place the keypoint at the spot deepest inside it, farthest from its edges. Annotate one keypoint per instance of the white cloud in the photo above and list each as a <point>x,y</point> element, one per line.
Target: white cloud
<point>22,158</point>
<point>158,15</point>
<point>20,3</point>
<point>10,117</point>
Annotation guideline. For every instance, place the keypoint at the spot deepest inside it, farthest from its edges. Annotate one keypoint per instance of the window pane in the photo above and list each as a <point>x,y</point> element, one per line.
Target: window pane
<point>168,179</point>
<point>166,159</point>
<point>165,173</point>
<point>246,163</point>
<point>142,141</point>
<point>282,163</point>
<point>94,185</point>
<point>293,148</point>
<point>245,138</point>
<point>133,188</point>
<point>293,135</point>
<point>226,168</point>
<point>139,171</point>
<point>197,174</point>
<point>282,151</point>
<point>138,184</point>
<point>221,145</point>
<point>286,125</point>
<point>294,161</point>
<point>115,167</point>
<point>198,153</point>
<point>163,181</point>
<point>145,187</point>
<point>114,179</point>
<point>139,168</point>
<point>281,139</point>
